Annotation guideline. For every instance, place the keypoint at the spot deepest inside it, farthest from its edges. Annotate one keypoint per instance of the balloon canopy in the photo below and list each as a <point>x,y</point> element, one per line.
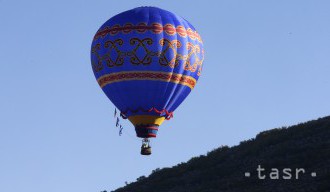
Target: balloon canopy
<point>147,60</point>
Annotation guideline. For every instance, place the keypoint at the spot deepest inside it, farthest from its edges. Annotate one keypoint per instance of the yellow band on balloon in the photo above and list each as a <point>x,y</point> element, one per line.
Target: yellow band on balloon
<point>147,75</point>
<point>146,119</point>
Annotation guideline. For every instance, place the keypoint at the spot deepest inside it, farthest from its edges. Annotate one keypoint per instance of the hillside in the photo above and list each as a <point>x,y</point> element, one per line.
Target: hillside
<point>302,151</point>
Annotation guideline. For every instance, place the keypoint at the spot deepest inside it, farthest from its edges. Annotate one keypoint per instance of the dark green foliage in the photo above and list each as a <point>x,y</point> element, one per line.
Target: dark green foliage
<point>306,145</point>
<point>141,178</point>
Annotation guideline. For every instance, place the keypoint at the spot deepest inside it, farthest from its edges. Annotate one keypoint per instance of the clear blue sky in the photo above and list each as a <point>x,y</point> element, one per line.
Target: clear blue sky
<point>267,65</point>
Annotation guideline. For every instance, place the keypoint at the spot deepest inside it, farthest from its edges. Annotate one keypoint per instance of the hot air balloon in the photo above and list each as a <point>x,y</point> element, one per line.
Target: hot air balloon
<point>147,60</point>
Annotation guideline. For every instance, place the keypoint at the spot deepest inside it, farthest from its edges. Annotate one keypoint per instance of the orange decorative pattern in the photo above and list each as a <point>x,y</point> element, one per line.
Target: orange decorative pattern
<point>147,75</point>
<point>192,61</point>
<point>156,28</point>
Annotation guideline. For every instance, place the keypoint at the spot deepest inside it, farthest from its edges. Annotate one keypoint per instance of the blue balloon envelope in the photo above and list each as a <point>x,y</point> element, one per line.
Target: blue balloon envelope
<point>147,60</point>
